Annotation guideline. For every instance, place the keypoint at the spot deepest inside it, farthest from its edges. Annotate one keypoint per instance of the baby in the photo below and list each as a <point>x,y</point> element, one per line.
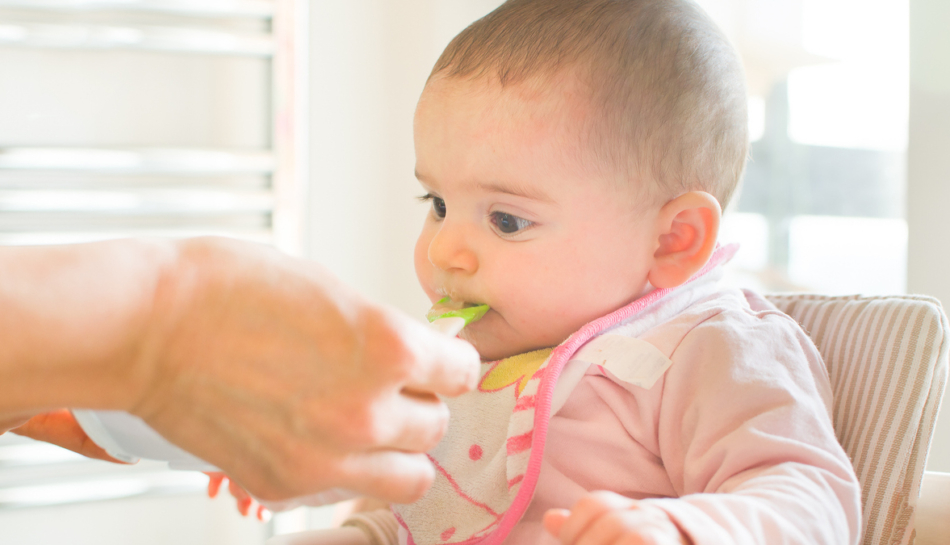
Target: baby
<point>577,155</point>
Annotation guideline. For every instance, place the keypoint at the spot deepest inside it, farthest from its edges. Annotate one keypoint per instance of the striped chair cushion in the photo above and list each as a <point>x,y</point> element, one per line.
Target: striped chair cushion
<point>887,360</point>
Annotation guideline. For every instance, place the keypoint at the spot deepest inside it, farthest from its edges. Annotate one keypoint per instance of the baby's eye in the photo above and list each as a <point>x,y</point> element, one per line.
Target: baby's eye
<point>508,224</point>
<point>438,204</point>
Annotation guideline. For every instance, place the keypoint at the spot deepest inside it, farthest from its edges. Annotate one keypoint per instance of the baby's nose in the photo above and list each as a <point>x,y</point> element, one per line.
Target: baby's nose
<point>450,250</point>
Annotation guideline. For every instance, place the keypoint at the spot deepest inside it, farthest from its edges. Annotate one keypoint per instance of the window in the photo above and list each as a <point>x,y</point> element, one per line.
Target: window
<point>822,204</point>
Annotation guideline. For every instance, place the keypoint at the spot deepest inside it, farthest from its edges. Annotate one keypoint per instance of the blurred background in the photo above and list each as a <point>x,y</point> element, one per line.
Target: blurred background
<point>289,122</point>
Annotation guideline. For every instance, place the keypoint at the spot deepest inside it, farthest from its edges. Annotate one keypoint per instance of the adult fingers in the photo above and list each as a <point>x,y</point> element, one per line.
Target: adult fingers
<point>388,475</point>
<point>411,422</point>
<point>587,510</point>
<point>442,365</point>
<point>60,428</point>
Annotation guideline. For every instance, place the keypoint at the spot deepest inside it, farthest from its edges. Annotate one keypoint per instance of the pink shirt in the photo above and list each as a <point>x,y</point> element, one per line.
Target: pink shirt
<point>734,442</point>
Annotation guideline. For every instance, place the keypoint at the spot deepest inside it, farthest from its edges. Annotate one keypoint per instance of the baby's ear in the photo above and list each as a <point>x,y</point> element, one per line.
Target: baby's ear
<point>688,227</point>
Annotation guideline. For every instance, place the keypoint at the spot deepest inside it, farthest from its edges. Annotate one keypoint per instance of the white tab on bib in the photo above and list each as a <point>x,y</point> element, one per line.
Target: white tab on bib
<point>631,360</point>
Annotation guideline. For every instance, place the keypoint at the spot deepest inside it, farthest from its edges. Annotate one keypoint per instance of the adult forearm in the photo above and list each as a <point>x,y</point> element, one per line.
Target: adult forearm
<point>71,322</point>
<point>266,366</point>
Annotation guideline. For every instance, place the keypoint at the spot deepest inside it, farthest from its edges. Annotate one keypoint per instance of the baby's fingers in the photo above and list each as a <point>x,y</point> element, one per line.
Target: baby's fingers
<point>622,528</point>
<point>554,519</point>
<point>586,512</point>
<point>638,525</point>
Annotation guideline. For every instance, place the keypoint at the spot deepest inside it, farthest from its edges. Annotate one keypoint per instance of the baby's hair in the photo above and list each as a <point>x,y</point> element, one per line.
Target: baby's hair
<point>667,87</point>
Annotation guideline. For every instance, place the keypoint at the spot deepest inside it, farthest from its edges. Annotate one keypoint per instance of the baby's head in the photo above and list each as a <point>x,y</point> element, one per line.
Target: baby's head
<point>576,153</point>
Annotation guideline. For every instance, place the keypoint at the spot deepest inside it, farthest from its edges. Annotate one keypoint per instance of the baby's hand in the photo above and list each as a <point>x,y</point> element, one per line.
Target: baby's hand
<point>611,519</point>
<point>244,500</point>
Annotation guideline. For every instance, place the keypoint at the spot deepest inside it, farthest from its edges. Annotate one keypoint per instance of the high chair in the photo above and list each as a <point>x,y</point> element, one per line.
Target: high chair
<point>887,358</point>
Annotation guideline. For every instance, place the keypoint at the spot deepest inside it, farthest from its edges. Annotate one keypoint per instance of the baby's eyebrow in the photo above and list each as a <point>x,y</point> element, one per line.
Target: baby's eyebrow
<point>420,176</point>
<point>516,189</point>
<point>427,183</point>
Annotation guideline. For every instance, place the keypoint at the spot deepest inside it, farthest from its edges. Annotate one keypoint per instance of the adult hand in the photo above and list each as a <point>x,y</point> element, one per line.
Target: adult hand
<point>8,422</point>
<point>264,365</point>
<point>289,381</point>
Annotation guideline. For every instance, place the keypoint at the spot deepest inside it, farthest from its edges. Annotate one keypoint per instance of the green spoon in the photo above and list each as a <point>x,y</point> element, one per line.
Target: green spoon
<point>450,316</point>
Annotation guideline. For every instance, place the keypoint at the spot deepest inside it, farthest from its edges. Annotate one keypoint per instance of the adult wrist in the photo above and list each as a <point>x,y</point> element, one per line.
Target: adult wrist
<point>73,321</point>
<point>186,268</point>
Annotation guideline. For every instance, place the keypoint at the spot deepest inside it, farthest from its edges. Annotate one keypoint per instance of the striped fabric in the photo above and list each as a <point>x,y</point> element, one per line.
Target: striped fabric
<point>887,360</point>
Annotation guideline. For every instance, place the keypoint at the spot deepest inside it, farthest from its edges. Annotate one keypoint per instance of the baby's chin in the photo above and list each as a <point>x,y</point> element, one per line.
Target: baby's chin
<point>493,347</point>
<point>495,354</point>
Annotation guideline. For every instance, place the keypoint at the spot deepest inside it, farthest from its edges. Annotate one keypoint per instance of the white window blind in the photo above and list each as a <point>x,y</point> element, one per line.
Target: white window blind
<point>120,118</point>
<point>151,117</point>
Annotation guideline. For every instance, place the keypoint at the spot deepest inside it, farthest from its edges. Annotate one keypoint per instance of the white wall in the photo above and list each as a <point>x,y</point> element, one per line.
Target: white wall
<point>180,520</point>
<point>370,60</point>
<point>928,183</point>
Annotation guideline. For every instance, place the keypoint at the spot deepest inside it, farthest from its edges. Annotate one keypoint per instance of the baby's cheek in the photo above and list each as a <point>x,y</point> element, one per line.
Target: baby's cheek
<point>537,326</point>
<point>544,309</point>
<point>420,258</point>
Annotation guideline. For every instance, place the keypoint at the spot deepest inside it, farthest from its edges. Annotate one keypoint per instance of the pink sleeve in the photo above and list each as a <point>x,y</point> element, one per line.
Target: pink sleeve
<point>746,437</point>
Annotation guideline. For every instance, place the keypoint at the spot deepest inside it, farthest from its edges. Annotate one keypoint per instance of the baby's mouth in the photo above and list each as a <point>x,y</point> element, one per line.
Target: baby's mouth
<point>447,308</point>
